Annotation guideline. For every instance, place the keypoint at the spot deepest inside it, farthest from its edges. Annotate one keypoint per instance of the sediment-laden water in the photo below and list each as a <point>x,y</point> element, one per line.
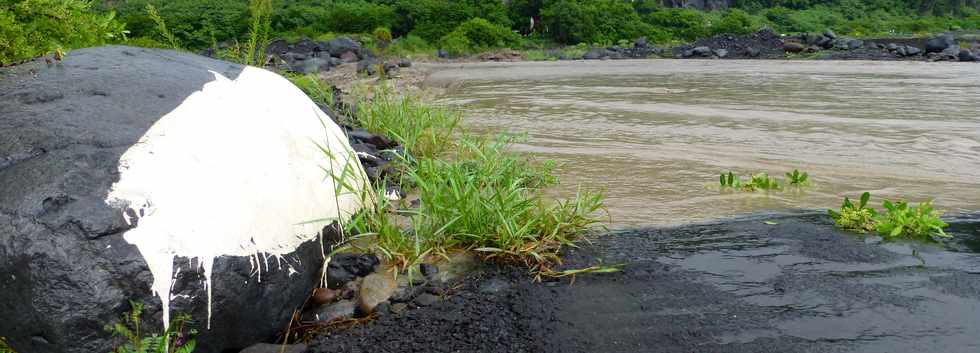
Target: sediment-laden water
<point>656,133</point>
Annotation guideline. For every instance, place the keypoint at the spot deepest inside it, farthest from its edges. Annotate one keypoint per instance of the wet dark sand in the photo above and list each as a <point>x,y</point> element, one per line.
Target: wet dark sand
<point>737,286</point>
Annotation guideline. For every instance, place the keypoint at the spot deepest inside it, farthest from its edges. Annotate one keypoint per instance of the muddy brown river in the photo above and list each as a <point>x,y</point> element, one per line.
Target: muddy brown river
<point>655,134</point>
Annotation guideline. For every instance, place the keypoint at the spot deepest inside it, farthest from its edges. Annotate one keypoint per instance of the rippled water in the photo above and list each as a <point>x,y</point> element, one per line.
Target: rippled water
<point>656,133</point>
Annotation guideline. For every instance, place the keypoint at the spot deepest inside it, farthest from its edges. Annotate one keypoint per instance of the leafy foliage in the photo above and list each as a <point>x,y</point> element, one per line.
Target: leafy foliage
<point>478,34</point>
<point>902,220</point>
<point>4,347</point>
<point>761,181</point>
<point>899,219</point>
<point>798,179</point>
<point>31,28</point>
<point>178,338</point>
<point>858,218</point>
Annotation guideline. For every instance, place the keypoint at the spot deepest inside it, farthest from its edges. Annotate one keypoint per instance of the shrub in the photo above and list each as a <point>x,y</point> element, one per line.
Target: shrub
<point>409,45</point>
<point>735,21</point>
<point>434,19</point>
<point>359,17</point>
<point>482,34</point>
<point>195,23</point>
<point>598,21</point>
<point>456,44</point>
<point>382,34</point>
<point>30,28</point>
<point>681,24</point>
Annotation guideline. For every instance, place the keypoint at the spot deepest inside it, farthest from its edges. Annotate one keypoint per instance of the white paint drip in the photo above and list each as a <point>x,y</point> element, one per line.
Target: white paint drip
<point>234,170</point>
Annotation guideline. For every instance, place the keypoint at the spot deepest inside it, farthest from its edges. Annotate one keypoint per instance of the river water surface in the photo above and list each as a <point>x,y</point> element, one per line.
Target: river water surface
<point>655,134</point>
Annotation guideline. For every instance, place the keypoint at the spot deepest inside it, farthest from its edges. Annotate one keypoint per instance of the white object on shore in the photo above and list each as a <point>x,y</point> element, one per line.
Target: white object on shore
<point>235,170</point>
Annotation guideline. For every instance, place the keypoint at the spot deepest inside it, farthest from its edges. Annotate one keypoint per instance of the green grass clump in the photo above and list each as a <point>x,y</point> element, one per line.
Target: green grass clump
<point>898,220</point>
<point>316,89</point>
<point>178,338</point>
<point>472,193</point>
<point>426,131</point>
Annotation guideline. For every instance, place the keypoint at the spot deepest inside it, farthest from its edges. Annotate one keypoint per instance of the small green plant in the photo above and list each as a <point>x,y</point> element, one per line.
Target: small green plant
<point>797,178</point>
<point>730,180</point>
<point>178,337</point>
<point>899,219</point>
<point>760,181</point>
<point>858,218</point>
<point>382,34</point>
<point>161,25</point>
<point>258,33</point>
<point>902,220</point>
<point>4,347</point>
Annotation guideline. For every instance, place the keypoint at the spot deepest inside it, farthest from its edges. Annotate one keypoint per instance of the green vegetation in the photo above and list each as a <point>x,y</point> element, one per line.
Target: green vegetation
<point>858,218</point>
<point>4,347</point>
<point>762,181</point>
<point>32,28</point>
<point>472,193</point>
<point>902,220</point>
<point>178,338</point>
<point>798,179</point>
<point>898,219</point>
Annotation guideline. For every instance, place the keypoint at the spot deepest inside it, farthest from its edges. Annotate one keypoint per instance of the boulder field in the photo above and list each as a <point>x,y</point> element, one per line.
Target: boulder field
<point>182,182</point>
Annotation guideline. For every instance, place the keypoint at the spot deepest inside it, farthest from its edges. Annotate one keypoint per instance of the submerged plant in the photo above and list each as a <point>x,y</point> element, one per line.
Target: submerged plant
<point>797,178</point>
<point>760,181</point>
<point>730,180</point>
<point>858,218</point>
<point>177,338</point>
<point>901,220</point>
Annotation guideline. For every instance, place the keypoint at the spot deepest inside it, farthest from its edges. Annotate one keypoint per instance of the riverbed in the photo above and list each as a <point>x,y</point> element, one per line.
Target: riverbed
<point>655,134</point>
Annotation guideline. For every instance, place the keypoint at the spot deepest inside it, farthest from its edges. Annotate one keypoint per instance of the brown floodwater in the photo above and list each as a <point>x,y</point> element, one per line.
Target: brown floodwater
<point>655,134</point>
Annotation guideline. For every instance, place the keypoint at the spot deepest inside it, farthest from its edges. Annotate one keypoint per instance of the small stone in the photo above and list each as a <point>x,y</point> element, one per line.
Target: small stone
<point>348,57</point>
<point>275,348</point>
<point>494,286</point>
<point>405,63</point>
<point>428,270</point>
<point>829,33</point>
<point>375,289</point>
<point>792,47</point>
<point>912,51</point>
<point>323,296</point>
<point>337,276</point>
<point>340,310</point>
<point>721,53</point>
<point>398,308</point>
<point>425,299</point>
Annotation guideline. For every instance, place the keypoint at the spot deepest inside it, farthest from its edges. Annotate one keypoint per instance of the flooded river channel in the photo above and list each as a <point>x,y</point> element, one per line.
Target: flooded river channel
<point>656,133</point>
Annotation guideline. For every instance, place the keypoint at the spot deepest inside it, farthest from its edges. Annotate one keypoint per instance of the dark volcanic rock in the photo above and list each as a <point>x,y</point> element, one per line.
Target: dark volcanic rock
<point>940,43</point>
<point>763,44</point>
<point>340,45</point>
<point>966,55</point>
<point>65,268</point>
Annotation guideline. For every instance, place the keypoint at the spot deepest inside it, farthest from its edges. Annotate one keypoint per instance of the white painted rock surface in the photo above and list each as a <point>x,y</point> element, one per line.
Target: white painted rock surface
<point>181,181</point>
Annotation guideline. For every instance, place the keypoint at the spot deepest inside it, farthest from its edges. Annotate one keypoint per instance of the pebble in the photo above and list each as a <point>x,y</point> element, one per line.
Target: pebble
<point>426,299</point>
<point>375,289</point>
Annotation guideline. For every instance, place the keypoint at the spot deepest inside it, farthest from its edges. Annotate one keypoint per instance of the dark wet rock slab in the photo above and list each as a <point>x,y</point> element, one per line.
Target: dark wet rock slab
<point>736,286</point>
